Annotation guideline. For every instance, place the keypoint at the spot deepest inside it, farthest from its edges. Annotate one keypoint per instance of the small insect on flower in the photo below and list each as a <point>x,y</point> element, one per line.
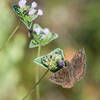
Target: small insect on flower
<point>22,3</point>
<point>40,12</point>
<point>37,30</point>
<point>34,5</point>
<point>46,31</point>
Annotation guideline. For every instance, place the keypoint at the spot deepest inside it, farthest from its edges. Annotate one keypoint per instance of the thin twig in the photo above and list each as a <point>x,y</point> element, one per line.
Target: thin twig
<point>37,76</point>
<point>14,31</point>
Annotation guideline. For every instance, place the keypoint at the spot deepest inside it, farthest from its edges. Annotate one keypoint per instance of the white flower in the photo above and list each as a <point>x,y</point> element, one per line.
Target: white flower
<point>31,12</point>
<point>22,3</point>
<point>43,36</point>
<point>37,30</point>
<point>46,31</point>
<point>40,12</point>
<point>34,5</point>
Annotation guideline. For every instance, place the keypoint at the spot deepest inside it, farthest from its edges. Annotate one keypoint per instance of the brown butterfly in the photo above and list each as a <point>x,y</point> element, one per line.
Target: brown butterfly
<point>71,71</point>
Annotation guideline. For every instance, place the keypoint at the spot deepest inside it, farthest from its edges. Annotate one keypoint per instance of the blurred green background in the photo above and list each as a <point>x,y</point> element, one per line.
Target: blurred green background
<point>78,24</point>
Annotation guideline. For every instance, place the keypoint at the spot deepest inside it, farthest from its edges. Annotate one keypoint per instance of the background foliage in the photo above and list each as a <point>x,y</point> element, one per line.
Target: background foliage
<point>78,25</point>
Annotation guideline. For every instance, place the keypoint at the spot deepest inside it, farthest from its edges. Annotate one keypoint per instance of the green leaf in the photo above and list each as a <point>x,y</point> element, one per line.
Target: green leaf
<point>23,14</point>
<point>50,61</point>
<point>39,62</point>
<point>53,37</point>
<point>33,44</point>
<point>17,10</point>
<point>38,40</point>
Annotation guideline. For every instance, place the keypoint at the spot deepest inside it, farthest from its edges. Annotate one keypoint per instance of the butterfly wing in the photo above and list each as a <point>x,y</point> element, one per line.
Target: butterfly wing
<point>63,77</point>
<point>79,64</point>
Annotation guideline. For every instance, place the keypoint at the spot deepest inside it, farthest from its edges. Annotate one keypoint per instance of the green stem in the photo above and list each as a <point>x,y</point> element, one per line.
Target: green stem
<point>37,77</point>
<point>14,31</point>
<point>36,84</point>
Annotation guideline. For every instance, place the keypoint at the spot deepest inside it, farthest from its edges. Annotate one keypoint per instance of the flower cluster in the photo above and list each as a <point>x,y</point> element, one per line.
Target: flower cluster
<point>22,4</point>
<point>52,61</point>
<point>42,36</point>
<point>27,13</point>
<point>44,32</point>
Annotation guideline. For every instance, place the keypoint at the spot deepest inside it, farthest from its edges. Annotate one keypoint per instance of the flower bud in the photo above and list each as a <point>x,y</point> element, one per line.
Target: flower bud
<point>31,12</point>
<point>46,31</point>
<point>40,12</point>
<point>34,5</point>
<point>22,3</point>
<point>37,30</point>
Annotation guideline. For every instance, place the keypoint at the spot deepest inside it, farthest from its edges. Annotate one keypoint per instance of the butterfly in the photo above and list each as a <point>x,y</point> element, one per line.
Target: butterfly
<point>72,71</point>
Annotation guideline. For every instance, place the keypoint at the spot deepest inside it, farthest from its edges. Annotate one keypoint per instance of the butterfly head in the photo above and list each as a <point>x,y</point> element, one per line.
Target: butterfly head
<point>66,63</point>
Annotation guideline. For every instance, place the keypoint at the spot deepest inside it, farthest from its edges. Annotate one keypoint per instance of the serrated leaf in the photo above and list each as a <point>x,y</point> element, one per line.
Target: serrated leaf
<point>59,56</point>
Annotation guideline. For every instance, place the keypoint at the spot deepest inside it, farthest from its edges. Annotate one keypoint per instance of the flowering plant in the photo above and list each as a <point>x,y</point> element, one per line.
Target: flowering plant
<point>41,36</point>
<point>27,13</point>
<point>52,61</point>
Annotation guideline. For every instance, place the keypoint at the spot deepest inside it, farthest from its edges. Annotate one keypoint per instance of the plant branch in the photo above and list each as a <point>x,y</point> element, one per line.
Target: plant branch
<point>14,31</point>
<point>37,77</point>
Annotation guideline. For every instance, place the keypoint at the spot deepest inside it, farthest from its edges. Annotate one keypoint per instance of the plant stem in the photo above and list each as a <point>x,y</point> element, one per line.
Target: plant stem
<point>14,31</point>
<point>37,77</point>
<point>36,84</point>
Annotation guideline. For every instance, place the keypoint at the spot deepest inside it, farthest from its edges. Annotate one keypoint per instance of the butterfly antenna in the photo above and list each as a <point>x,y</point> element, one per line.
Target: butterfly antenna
<point>36,84</point>
<point>14,31</point>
